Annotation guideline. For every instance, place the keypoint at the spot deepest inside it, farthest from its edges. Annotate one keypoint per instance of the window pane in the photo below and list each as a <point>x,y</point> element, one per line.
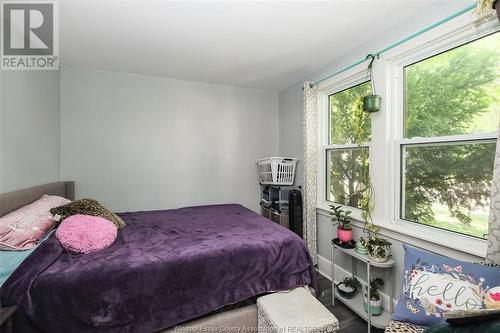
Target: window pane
<point>455,92</point>
<point>448,186</point>
<point>342,115</point>
<point>343,176</point>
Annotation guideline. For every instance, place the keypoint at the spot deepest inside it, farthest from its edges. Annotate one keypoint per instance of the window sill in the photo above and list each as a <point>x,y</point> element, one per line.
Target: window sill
<point>416,234</point>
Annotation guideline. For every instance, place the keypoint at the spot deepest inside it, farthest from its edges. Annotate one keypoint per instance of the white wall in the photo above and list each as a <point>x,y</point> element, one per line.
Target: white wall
<point>137,142</point>
<point>290,127</point>
<point>290,135</point>
<point>29,129</point>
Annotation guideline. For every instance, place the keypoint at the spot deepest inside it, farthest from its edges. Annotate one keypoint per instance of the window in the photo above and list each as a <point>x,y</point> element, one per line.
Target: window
<point>451,115</point>
<point>343,155</point>
<point>432,145</point>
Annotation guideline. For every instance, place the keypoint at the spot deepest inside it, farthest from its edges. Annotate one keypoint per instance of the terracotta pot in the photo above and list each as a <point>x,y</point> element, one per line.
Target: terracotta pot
<point>345,236</point>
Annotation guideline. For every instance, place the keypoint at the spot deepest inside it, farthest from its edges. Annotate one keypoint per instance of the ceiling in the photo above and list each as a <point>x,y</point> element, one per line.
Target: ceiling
<point>258,44</point>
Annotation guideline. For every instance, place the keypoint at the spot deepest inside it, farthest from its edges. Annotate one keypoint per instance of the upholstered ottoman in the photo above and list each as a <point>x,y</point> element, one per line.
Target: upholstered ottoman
<point>295,311</point>
<point>395,326</point>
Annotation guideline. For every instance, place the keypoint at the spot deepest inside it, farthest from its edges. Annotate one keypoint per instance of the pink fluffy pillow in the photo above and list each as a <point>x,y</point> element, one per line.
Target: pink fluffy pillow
<point>85,234</point>
<point>22,229</point>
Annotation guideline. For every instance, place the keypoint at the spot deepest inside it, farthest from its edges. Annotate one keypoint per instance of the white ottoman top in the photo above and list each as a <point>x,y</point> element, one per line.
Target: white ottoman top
<point>296,308</point>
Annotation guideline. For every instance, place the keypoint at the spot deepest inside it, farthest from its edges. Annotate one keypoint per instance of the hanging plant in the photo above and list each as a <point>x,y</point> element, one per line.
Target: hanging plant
<point>378,249</point>
<point>371,103</point>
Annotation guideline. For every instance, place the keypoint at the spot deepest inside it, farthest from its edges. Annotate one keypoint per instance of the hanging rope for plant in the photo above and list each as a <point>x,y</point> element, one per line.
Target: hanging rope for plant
<point>369,73</point>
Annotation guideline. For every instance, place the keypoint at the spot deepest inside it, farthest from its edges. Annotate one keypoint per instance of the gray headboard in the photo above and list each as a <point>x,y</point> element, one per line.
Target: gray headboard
<point>15,200</point>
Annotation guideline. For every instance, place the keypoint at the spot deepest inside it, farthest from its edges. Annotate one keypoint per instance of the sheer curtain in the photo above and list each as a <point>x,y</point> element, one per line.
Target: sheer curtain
<point>310,134</point>
<point>493,253</point>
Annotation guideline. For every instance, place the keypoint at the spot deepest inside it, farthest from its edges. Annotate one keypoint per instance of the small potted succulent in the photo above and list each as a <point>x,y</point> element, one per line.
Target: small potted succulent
<point>361,246</point>
<point>342,218</point>
<point>375,299</point>
<point>379,249</point>
<point>348,287</point>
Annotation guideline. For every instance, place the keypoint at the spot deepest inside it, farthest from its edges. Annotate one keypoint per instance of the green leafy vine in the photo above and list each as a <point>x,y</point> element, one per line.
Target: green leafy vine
<point>366,191</point>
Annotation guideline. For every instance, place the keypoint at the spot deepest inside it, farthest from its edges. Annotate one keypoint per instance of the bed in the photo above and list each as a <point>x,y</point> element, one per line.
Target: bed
<point>165,268</point>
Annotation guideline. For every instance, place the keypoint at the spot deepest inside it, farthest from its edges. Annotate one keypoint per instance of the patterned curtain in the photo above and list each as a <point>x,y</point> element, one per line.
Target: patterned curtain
<point>493,253</point>
<point>310,134</point>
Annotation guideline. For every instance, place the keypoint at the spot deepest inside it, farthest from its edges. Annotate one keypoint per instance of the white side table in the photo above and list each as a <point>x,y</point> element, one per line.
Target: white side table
<point>357,303</point>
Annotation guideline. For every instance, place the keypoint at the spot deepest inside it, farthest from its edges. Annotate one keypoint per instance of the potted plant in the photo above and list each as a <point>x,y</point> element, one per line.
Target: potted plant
<point>379,249</point>
<point>484,5</point>
<point>361,246</point>
<point>348,287</point>
<point>342,218</point>
<point>371,103</point>
<point>375,299</point>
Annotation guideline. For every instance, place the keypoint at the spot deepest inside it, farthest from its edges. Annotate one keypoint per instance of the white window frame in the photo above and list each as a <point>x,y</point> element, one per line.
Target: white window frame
<point>387,131</point>
<point>452,36</point>
<point>340,83</point>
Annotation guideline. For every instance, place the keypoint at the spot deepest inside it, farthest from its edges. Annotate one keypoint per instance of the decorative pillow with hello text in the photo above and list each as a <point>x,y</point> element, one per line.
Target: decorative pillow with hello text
<point>435,284</point>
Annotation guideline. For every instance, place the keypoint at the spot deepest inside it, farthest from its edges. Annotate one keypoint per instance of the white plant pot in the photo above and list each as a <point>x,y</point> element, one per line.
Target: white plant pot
<point>379,253</point>
<point>375,306</point>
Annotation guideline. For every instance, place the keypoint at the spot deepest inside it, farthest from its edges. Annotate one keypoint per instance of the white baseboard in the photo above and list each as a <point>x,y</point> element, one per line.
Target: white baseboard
<point>325,269</point>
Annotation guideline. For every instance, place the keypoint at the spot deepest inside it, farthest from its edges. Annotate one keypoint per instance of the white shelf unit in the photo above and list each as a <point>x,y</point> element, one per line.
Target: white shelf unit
<point>357,303</point>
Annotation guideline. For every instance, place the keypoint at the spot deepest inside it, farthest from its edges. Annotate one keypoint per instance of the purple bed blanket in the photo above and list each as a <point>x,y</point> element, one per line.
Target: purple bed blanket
<point>164,268</point>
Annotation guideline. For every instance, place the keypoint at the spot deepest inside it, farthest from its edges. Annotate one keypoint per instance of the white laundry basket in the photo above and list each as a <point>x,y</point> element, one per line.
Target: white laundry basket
<point>277,170</point>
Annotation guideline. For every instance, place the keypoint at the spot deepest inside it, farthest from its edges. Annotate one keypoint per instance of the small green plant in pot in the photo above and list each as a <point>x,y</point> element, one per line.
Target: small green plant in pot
<point>379,249</point>
<point>349,287</point>
<point>342,218</point>
<point>361,246</point>
<point>375,299</point>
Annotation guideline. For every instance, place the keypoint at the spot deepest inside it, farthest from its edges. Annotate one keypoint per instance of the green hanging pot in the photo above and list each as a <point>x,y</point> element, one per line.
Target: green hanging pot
<point>371,103</point>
